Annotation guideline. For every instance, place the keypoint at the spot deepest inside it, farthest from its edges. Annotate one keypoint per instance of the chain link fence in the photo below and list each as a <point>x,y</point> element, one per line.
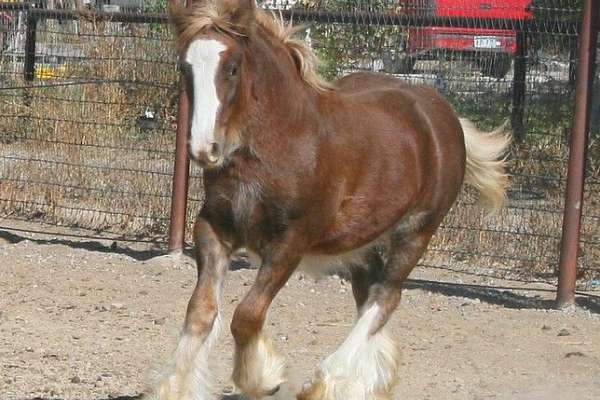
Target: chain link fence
<point>87,138</point>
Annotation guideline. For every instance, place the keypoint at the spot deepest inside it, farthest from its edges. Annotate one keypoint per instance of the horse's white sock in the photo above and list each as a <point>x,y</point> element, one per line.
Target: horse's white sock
<point>363,368</point>
<point>258,369</point>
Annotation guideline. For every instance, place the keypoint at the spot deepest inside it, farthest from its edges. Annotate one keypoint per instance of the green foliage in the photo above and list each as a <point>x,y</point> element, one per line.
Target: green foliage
<point>343,46</point>
<point>350,47</point>
<point>487,114</point>
<point>557,10</point>
<point>157,6</point>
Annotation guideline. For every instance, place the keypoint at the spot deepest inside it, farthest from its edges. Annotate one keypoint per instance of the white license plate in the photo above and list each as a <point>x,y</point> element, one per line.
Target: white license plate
<point>486,42</point>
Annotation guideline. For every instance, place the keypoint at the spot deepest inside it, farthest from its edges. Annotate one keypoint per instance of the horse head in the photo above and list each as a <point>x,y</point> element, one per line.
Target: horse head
<point>239,62</point>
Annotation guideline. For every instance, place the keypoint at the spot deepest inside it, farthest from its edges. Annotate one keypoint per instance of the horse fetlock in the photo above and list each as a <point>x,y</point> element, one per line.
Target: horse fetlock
<point>167,389</point>
<point>365,367</point>
<point>326,387</point>
<point>175,387</point>
<point>188,376</point>
<point>258,370</point>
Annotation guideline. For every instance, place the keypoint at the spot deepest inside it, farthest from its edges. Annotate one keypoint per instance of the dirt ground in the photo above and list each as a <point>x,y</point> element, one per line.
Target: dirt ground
<point>82,319</point>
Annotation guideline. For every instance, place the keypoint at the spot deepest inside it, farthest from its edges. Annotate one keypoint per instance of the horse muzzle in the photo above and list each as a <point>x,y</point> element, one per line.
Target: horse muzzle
<point>209,157</point>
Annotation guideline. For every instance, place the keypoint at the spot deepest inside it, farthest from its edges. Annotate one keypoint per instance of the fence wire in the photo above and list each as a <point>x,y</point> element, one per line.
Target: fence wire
<point>89,141</point>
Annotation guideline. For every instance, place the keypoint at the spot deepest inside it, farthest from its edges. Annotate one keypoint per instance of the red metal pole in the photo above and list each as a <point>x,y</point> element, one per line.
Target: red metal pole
<point>181,171</point>
<point>577,156</point>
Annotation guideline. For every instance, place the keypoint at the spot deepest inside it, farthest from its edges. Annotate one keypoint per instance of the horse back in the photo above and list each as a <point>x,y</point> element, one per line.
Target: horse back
<point>417,118</point>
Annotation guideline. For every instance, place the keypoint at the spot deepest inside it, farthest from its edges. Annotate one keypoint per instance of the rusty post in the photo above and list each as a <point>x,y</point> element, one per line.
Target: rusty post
<point>577,156</point>
<point>181,170</point>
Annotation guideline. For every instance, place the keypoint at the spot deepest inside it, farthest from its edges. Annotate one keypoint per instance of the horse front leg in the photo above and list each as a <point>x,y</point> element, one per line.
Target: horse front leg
<point>188,376</point>
<point>258,370</point>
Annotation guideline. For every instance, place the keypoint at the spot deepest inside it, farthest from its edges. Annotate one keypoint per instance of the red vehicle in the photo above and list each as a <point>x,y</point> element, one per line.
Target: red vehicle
<point>491,49</point>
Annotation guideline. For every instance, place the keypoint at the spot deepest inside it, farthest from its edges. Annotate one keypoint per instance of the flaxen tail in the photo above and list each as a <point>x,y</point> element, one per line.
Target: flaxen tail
<point>486,163</point>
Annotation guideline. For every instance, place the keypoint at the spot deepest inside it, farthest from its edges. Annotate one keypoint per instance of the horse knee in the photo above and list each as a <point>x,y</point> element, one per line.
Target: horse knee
<point>211,252</point>
<point>198,323</point>
<point>247,322</point>
<point>203,232</point>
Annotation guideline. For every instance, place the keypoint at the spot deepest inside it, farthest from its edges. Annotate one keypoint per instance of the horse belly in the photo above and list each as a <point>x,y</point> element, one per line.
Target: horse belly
<point>317,264</point>
<point>359,224</point>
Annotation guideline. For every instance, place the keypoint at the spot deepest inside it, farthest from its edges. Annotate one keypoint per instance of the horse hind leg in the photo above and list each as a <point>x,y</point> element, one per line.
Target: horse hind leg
<point>188,376</point>
<point>365,366</point>
<point>363,276</point>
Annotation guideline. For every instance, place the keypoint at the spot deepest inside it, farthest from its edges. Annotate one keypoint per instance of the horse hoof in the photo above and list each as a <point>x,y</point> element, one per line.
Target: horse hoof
<point>273,391</point>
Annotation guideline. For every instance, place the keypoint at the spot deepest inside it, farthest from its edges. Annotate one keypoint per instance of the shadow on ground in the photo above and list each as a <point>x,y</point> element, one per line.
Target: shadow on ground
<point>95,245</point>
<point>114,247</point>
<point>140,397</point>
<point>135,397</point>
<point>503,296</point>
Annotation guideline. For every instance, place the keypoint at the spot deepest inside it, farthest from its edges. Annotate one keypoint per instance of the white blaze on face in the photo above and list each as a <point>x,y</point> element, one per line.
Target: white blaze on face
<point>204,55</point>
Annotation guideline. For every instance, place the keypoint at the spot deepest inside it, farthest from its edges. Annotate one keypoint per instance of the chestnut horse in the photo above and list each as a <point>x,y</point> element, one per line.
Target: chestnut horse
<point>300,171</point>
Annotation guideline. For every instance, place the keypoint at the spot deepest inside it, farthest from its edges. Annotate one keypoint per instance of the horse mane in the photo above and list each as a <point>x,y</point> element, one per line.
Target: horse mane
<point>224,17</point>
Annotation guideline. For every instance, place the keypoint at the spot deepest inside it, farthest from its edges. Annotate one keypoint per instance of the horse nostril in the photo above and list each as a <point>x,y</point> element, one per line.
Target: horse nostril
<point>214,151</point>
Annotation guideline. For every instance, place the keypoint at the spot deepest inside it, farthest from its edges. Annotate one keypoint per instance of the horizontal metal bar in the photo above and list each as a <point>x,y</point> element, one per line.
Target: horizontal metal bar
<point>160,18</point>
<point>90,82</point>
<point>86,15</point>
<point>369,18</point>
<point>5,6</point>
<point>119,238</point>
<point>93,210</point>
<point>324,16</point>
<point>65,186</point>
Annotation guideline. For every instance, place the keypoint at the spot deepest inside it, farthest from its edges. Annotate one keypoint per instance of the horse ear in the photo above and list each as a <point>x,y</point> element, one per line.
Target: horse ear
<point>242,12</point>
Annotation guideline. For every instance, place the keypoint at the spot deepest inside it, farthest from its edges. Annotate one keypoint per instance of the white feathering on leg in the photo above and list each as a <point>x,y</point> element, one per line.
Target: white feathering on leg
<point>258,368</point>
<point>363,368</point>
<point>188,376</point>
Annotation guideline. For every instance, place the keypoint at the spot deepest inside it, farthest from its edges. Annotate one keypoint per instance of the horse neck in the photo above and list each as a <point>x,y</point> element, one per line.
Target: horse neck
<point>279,89</point>
<point>279,107</point>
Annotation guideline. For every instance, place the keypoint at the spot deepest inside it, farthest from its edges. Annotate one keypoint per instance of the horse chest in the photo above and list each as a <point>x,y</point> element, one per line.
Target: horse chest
<point>246,205</point>
<point>250,216</point>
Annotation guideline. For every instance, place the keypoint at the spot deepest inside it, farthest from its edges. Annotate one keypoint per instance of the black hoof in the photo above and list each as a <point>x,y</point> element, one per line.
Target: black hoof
<point>273,391</point>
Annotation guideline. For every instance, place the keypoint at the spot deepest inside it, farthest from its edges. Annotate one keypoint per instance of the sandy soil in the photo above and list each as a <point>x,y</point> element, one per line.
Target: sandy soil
<point>82,324</point>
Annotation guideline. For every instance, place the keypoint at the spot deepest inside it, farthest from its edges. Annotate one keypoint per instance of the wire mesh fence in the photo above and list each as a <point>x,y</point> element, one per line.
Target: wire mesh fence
<point>88,139</point>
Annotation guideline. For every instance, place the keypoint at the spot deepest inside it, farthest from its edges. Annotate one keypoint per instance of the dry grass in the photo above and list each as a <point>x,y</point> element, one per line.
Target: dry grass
<point>98,169</point>
<point>526,235</point>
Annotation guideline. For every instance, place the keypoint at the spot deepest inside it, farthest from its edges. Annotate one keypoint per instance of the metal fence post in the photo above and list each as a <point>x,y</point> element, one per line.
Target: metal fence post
<point>577,156</point>
<point>519,79</point>
<point>181,171</point>
<point>30,40</point>
<point>29,59</point>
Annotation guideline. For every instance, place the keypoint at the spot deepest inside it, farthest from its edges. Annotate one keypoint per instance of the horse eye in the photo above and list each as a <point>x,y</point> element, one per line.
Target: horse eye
<point>233,71</point>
